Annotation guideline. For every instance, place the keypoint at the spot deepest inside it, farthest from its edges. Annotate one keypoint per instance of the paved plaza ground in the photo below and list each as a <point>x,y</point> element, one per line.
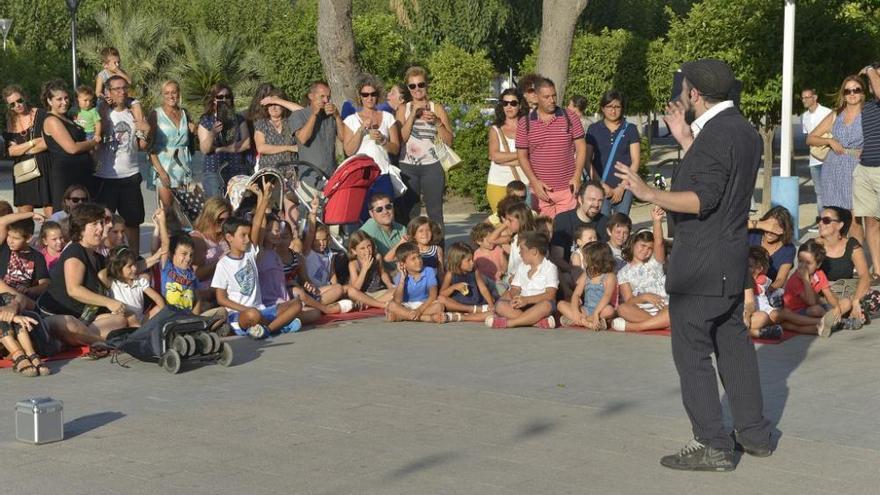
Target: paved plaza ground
<point>372,407</point>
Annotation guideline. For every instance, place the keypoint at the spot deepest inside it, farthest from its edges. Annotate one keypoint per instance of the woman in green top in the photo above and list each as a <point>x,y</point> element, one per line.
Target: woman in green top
<point>170,144</point>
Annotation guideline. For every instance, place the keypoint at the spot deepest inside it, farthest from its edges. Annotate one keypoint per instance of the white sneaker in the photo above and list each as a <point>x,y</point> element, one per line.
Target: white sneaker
<point>618,324</point>
<point>258,331</point>
<point>345,305</point>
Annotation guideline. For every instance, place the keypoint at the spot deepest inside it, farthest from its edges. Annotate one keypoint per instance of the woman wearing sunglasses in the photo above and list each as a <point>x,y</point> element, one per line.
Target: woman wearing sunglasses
<point>502,147</point>
<point>73,195</point>
<point>843,257</point>
<point>371,131</point>
<point>422,123</point>
<point>223,139</point>
<point>775,232</point>
<point>845,126</point>
<point>24,140</point>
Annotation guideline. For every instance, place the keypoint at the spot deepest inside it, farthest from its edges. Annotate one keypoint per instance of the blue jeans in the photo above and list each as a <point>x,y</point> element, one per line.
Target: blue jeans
<point>623,207</point>
<point>213,185</point>
<point>816,177</point>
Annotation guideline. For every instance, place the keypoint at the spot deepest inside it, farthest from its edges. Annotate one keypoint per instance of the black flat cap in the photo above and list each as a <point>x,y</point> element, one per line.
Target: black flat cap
<point>712,78</point>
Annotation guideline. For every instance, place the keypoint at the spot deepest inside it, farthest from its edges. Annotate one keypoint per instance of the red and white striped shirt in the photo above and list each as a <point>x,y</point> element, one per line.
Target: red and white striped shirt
<point>550,145</point>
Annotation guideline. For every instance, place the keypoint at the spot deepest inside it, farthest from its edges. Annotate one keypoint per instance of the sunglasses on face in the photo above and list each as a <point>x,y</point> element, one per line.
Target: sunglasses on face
<point>223,97</point>
<point>19,101</point>
<point>365,94</point>
<point>826,220</point>
<point>510,103</point>
<point>77,199</point>
<point>381,208</point>
<point>853,91</point>
<point>420,85</point>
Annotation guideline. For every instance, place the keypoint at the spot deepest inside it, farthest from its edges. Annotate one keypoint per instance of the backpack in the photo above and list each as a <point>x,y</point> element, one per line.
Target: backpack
<point>528,117</point>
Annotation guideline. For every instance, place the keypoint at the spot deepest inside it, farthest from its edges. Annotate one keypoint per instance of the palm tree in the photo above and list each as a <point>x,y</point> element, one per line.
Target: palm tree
<point>143,41</point>
<point>208,57</point>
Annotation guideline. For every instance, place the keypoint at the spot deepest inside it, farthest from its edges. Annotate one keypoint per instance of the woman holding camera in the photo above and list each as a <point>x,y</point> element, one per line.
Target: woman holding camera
<point>223,139</point>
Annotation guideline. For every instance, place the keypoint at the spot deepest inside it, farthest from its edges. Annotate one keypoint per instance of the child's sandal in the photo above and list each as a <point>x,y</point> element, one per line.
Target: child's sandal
<point>38,363</point>
<point>29,370</point>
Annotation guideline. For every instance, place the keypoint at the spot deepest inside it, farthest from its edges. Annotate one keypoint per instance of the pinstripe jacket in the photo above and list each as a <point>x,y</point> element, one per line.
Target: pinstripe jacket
<point>710,251</point>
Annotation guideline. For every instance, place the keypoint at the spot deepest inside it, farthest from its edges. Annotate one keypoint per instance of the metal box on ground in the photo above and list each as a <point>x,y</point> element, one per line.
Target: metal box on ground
<point>39,420</point>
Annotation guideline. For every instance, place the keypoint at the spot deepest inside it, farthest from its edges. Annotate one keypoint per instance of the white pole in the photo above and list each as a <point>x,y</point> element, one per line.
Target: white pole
<point>787,82</point>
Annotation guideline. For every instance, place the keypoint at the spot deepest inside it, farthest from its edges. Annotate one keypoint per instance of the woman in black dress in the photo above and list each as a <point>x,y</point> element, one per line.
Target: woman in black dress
<point>24,140</point>
<point>68,147</point>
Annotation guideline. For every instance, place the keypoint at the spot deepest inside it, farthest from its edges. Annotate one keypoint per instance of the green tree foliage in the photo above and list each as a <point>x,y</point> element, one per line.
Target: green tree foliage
<point>661,64</point>
<point>609,60</point>
<point>472,145</point>
<point>144,45</point>
<point>209,57</point>
<point>459,76</point>
<point>29,69</point>
<point>289,51</point>
<point>647,19</point>
<point>380,44</point>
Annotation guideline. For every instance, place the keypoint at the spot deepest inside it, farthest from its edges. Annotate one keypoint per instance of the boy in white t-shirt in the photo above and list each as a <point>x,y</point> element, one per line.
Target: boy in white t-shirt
<point>237,280</point>
<point>531,300</point>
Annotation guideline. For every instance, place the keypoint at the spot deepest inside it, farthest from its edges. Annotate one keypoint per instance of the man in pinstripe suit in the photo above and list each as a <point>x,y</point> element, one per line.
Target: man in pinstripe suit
<point>708,269</point>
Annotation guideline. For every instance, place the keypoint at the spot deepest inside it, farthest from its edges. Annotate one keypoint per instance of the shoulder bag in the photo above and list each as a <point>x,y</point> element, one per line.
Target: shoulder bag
<point>26,170</point>
<point>609,162</point>
<point>502,139</point>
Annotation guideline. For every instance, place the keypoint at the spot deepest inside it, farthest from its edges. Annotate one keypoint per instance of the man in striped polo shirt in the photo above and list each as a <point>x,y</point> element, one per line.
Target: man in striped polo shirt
<point>551,150</point>
<point>866,176</point>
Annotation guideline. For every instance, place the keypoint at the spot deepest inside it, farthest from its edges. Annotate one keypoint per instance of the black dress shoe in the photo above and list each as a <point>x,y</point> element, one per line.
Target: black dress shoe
<point>698,457</point>
<point>752,450</point>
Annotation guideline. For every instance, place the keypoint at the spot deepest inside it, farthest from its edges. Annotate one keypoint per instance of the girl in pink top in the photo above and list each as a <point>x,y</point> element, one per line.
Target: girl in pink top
<point>52,242</point>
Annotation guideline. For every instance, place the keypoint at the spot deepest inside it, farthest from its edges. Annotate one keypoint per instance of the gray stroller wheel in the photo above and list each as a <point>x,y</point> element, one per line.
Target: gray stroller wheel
<point>170,361</point>
<point>226,354</point>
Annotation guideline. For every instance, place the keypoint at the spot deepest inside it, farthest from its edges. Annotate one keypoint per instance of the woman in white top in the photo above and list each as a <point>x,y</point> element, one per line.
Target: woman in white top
<point>502,147</point>
<point>422,124</point>
<point>370,131</point>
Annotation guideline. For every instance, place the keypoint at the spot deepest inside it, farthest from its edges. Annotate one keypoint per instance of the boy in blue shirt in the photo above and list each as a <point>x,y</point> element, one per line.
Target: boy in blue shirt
<point>415,289</point>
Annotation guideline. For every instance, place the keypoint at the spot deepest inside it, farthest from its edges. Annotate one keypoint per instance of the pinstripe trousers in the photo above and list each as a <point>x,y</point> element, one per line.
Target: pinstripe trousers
<point>702,325</point>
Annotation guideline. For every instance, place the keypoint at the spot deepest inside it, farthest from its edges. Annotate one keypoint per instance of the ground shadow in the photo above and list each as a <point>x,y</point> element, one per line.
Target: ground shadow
<point>421,464</point>
<point>85,424</point>
<point>246,350</point>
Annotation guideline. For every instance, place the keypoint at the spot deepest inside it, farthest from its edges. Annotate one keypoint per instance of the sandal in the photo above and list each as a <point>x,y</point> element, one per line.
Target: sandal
<point>38,363</point>
<point>28,370</point>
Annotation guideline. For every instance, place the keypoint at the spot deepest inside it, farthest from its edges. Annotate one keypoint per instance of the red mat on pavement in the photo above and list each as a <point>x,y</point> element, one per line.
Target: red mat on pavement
<point>667,332</point>
<point>65,354</point>
<point>80,351</point>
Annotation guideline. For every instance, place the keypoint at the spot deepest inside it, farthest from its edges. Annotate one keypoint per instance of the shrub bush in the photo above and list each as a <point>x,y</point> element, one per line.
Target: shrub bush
<point>472,145</point>
<point>458,76</point>
<point>381,49</point>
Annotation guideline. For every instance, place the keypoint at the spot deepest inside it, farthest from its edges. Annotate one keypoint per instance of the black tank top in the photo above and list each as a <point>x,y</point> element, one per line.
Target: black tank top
<point>838,268</point>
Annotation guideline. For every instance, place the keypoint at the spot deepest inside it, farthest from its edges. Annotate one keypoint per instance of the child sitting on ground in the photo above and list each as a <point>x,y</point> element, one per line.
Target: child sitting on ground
<point>128,287</point>
<point>597,286</point>
<point>51,243</point>
<point>273,286</point>
<point>15,337</point>
<point>531,300</point>
<point>619,227</point>
<point>516,192</point>
<point>803,310</point>
<point>490,259</point>
<point>320,289</point>
<point>25,276</point>
<point>642,282</point>
<point>237,281</point>
<point>463,289</point>
<point>517,219</point>
<point>421,230</point>
<point>370,283</point>
<point>583,235</point>
<point>544,224</point>
<point>761,317</point>
<point>415,289</point>
<point>179,284</point>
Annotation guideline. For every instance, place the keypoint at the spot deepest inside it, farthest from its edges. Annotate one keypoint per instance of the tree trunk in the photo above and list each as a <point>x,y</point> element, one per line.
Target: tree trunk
<point>767,136</point>
<point>558,21</point>
<point>336,48</point>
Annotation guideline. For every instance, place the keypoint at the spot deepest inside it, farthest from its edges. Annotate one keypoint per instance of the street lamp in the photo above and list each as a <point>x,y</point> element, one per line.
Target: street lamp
<point>5,24</point>
<point>71,7</point>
